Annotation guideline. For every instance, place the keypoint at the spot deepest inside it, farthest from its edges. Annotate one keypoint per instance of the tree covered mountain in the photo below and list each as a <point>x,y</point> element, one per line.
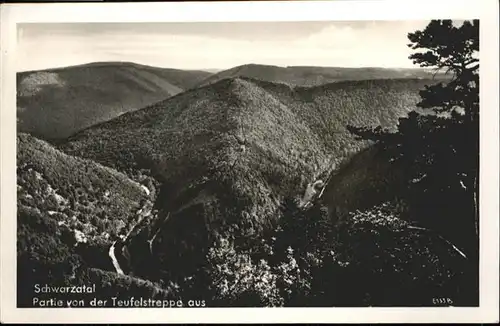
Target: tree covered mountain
<point>227,154</point>
<point>55,103</point>
<point>314,76</point>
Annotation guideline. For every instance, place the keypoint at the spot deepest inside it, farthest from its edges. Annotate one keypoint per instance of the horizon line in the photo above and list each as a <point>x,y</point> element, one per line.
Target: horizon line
<point>415,67</point>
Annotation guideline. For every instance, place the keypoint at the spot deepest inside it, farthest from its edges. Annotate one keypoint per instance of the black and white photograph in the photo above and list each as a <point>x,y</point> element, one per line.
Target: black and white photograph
<point>231,164</point>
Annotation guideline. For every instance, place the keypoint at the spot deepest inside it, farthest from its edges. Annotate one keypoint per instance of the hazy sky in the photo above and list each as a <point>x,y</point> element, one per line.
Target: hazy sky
<point>217,45</point>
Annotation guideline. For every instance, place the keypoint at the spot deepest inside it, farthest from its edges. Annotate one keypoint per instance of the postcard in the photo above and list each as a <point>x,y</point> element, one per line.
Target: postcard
<point>334,160</point>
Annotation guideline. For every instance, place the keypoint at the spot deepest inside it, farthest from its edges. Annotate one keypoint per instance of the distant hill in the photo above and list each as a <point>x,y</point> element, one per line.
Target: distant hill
<point>55,103</point>
<point>313,76</point>
<point>229,152</point>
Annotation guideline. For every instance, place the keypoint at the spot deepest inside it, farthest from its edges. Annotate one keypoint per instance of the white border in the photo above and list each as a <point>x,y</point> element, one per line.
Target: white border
<point>486,10</point>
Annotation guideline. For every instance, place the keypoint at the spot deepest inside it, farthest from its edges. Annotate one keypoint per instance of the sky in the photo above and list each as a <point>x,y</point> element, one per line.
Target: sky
<point>217,45</point>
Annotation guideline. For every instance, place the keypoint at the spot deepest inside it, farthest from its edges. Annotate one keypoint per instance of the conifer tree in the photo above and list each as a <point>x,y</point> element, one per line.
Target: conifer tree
<point>438,145</point>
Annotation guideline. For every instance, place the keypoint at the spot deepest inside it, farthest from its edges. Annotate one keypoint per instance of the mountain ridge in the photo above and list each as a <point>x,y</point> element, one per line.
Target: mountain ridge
<point>315,75</point>
<point>55,103</point>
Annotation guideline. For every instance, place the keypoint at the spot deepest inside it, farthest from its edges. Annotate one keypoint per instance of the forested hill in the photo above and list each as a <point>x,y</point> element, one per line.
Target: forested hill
<point>231,151</point>
<point>69,211</point>
<point>55,103</point>
<point>233,105</point>
<point>314,76</point>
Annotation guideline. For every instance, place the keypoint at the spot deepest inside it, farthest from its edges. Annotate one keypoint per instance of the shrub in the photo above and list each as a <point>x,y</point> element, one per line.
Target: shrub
<point>372,259</point>
<point>236,280</point>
